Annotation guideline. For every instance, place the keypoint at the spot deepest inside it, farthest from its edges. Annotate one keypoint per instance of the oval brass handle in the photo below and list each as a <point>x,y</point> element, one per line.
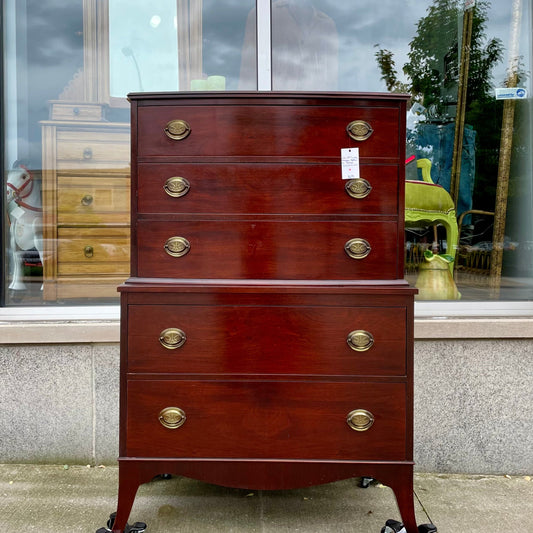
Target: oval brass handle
<point>360,419</point>
<point>358,188</point>
<point>172,338</point>
<point>359,130</point>
<point>172,417</point>
<point>88,153</point>
<point>177,246</point>
<point>357,248</point>
<point>87,200</point>
<point>88,251</point>
<point>177,186</point>
<point>177,130</point>
<point>360,340</point>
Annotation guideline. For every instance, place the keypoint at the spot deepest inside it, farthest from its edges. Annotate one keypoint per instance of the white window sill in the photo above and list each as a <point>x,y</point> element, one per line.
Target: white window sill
<point>102,324</point>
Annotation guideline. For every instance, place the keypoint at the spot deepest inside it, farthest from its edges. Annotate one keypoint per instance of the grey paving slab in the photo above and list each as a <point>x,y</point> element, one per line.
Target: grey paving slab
<point>484,504</point>
<point>52,499</point>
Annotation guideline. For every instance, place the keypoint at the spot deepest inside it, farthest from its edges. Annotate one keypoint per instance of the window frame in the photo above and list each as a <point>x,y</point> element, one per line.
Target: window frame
<point>437,310</point>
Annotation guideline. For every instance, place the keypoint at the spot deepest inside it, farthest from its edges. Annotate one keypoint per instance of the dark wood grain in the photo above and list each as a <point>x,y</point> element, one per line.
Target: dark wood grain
<point>259,188</point>
<point>276,131</point>
<point>280,419</point>
<point>266,296</point>
<point>267,340</point>
<point>255,249</point>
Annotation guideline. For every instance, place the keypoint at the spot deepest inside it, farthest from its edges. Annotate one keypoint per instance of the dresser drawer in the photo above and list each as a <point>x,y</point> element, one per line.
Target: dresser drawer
<point>267,131</point>
<point>263,188</point>
<point>92,200</point>
<point>292,420</point>
<point>267,340</point>
<point>78,149</point>
<point>267,250</point>
<point>93,251</point>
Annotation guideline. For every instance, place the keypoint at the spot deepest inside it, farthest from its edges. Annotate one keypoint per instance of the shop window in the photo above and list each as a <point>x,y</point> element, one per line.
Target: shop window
<point>69,65</point>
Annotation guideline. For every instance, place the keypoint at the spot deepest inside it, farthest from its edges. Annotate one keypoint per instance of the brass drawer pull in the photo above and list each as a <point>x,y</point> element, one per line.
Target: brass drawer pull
<point>172,417</point>
<point>360,340</point>
<point>358,188</point>
<point>357,248</point>
<point>359,130</point>
<point>172,338</point>
<point>177,130</point>
<point>177,246</point>
<point>88,252</point>
<point>177,186</point>
<point>87,200</point>
<point>88,153</point>
<point>360,419</point>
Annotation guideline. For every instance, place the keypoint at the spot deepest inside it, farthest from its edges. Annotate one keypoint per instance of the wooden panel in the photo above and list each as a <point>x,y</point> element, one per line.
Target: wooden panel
<point>268,340</point>
<point>78,149</point>
<point>263,188</point>
<point>263,249</point>
<point>74,111</point>
<point>294,420</point>
<point>93,251</point>
<point>86,200</point>
<point>280,131</point>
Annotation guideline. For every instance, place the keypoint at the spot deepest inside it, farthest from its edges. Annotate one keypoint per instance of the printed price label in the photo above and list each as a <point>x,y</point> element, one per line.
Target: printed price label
<point>350,163</point>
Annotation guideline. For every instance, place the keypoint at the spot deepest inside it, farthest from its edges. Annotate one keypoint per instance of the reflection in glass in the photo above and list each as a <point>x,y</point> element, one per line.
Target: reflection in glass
<point>305,47</point>
<point>143,46</point>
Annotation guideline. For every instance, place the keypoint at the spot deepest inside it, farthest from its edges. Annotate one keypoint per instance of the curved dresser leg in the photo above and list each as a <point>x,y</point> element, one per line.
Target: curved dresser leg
<point>128,485</point>
<point>402,487</point>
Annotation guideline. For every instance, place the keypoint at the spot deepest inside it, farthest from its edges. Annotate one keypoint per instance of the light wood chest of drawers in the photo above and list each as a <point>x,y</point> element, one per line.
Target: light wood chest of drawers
<point>266,329</point>
<point>86,203</point>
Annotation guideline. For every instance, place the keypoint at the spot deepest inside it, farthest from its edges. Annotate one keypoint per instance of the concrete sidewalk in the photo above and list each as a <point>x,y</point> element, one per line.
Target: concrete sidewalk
<point>60,499</point>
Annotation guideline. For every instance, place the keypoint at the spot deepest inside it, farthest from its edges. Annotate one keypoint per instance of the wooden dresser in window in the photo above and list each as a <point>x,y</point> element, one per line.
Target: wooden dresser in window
<point>267,332</point>
<point>86,191</point>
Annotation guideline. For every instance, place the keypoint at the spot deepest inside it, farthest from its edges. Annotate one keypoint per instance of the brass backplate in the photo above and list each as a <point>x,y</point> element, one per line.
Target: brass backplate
<point>177,186</point>
<point>360,419</point>
<point>177,246</point>
<point>177,130</point>
<point>360,340</point>
<point>172,417</point>
<point>357,248</point>
<point>172,338</point>
<point>358,188</point>
<point>359,130</point>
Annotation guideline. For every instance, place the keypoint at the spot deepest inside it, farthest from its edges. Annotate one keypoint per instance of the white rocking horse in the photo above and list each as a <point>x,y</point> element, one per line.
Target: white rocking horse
<point>24,208</point>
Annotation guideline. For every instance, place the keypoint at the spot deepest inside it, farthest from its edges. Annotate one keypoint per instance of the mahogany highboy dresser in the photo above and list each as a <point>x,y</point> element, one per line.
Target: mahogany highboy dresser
<point>267,330</point>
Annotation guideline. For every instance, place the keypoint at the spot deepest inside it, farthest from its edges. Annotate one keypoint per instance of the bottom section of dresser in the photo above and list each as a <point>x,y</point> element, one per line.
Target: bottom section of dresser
<point>265,475</point>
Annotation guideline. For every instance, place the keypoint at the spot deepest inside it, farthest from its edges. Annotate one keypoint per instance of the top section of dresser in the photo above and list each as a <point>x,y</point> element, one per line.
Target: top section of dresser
<point>252,126</point>
<point>251,185</point>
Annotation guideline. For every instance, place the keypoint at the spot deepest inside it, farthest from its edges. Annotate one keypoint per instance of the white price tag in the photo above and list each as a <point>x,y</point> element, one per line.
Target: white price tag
<point>350,163</point>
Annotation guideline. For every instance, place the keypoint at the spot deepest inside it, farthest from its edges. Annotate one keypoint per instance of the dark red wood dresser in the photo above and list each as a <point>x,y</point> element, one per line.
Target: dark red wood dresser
<point>267,331</point>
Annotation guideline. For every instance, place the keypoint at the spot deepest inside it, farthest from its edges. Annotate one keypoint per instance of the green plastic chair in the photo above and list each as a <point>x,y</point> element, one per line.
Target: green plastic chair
<point>429,204</point>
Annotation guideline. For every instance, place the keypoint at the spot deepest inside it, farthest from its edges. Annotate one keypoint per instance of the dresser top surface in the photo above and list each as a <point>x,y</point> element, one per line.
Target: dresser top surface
<point>267,98</point>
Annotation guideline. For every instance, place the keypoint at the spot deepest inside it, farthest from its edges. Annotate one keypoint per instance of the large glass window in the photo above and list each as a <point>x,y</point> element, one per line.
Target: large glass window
<point>69,65</point>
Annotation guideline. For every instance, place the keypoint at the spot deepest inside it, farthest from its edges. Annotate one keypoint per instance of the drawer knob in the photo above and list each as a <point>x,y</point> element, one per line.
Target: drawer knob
<point>357,248</point>
<point>177,130</point>
<point>177,246</point>
<point>88,252</point>
<point>177,186</point>
<point>359,130</point>
<point>360,419</point>
<point>360,340</point>
<point>172,338</point>
<point>87,200</point>
<point>172,417</point>
<point>358,188</point>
